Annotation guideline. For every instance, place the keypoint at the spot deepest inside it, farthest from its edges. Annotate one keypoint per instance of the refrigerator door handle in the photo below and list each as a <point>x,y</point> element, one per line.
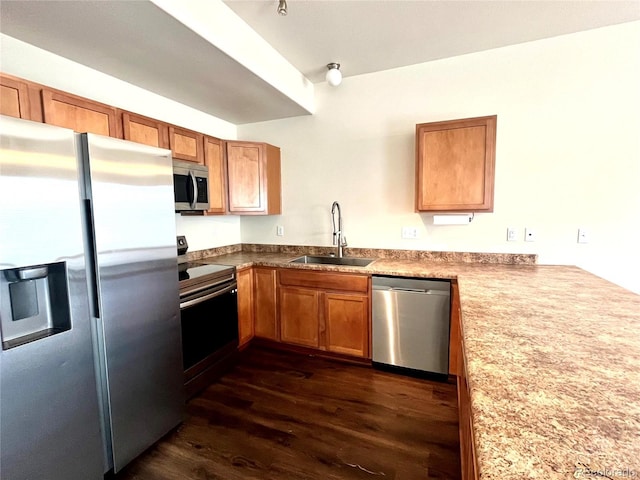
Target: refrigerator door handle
<point>91,260</point>
<point>194,200</point>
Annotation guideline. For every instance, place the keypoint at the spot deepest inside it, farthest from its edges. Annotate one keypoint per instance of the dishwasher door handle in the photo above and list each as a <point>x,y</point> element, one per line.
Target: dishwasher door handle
<point>410,290</point>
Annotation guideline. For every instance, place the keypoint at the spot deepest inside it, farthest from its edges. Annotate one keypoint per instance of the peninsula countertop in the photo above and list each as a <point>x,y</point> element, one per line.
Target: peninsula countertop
<point>553,364</point>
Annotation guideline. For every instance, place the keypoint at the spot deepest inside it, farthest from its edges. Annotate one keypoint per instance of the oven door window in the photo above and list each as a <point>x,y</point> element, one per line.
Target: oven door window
<point>208,324</point>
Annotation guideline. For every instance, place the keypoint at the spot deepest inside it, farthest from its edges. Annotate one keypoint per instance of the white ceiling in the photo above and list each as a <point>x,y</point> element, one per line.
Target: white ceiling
<point>138,42</point>
<point>368,36</point>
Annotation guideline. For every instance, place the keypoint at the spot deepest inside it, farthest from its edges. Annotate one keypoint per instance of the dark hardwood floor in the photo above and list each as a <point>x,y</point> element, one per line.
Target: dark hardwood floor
<point>285,416</point>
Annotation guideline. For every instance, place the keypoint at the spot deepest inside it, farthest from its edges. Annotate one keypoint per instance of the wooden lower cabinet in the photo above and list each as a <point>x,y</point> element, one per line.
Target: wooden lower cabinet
<point>245,305</point>
<point>346,323</point>
<point>299,316</point>
<point>467,448</point>
<point>465,420</point>
<point>455,354</point>
<point>265,300</point>
<point>327,311</point>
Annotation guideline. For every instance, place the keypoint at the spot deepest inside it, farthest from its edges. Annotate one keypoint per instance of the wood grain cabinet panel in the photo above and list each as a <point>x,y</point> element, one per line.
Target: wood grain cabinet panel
<point>80,114</point>
<point>214,160</point>
<point>346,320</point>
<point>465,420</point>
<point>455,355</point>
<point>186,144</point>
<point>14,98</point>
<point>455,162</point>
<point>265,299</point>
<point>245,305</point>
<point>327,311</point>
<point>299,310</point>
<point>253,171</point>
<point>147,131</point>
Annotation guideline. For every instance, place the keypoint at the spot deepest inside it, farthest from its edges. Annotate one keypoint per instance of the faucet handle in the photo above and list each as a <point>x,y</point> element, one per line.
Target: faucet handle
<point>344,241</point>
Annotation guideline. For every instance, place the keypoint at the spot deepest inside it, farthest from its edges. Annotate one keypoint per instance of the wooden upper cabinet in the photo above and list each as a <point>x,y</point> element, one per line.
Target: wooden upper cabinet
<point>14,98</point>
<point>455,163</point>
<point>186,144</point>
<point>253,171</point>
<point>145,130</point>
<point>214,160</point>
<point>80,114</point>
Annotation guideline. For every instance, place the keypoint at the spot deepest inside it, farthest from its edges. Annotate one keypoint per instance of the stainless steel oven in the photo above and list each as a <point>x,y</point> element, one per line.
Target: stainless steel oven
<point>209,317</point>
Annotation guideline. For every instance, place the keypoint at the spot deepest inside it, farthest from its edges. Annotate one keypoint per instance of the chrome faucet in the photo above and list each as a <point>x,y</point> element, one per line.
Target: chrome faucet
<point>338,238</point>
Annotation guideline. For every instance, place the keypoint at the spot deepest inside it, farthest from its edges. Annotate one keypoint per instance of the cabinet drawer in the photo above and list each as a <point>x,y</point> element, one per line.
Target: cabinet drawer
<point>326,281</point>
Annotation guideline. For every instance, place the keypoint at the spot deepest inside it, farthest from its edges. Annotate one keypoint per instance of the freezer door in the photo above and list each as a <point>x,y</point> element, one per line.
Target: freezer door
<point>131,191</point>
<point>49,421</point>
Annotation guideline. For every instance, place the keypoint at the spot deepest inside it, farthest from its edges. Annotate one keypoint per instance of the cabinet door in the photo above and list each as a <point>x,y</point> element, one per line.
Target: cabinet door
<point>266,325</point>
<point>253,171</point>
<point>79,114</point>
<point>299,308</point>
<point>346,320</point>
<point>145,130</point>
<point>245,305</point>
<point>455,165</point>
<point>14,98</point>
<point>214,160</point>
<point>186,145</point>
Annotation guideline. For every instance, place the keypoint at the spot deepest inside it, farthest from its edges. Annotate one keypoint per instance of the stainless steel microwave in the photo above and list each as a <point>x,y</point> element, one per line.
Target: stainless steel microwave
<point>190,186</point>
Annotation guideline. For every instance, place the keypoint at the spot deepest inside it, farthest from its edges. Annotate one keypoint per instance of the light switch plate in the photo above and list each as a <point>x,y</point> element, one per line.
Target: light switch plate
<point>279,230</point>
<point>512,234</point>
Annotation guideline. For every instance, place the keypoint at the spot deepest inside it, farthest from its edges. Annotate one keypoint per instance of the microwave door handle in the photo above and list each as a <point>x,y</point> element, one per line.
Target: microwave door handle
<point>195,190</point>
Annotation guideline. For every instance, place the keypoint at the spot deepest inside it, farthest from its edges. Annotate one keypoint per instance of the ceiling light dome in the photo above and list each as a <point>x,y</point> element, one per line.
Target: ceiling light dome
<point>282,7</point>
<point>334,75</point>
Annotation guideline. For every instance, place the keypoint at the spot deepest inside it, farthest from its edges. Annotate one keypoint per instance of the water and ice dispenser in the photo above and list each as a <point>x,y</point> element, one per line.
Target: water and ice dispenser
<point>34,303</point>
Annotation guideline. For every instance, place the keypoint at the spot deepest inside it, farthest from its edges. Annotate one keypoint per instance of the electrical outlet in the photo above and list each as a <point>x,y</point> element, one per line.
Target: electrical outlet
<point>409,232</point>
<point>530,235</point>
<point>583,235</point>
<point>512,234</point>
<point>279,230</point>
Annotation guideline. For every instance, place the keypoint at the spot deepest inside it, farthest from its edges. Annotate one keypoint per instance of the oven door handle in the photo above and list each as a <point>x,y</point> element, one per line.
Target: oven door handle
<point>196,301</point>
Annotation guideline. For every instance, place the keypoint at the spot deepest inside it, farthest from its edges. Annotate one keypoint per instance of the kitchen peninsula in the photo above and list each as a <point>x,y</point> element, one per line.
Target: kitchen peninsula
<point>551,361</point>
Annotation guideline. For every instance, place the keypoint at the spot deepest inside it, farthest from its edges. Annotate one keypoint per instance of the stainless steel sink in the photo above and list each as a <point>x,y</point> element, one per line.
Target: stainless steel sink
<point>349,261</point>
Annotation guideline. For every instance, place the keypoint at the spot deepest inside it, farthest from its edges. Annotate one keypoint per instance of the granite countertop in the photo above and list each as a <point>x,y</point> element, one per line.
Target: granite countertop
<point>553,364</point>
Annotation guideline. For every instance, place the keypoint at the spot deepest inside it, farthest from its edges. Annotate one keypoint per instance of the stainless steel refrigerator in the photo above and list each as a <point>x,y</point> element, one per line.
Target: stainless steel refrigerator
<point>91,365</point>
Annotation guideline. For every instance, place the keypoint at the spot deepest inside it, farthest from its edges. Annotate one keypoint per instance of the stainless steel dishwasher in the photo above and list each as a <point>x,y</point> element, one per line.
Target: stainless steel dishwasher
<point>411,323</point>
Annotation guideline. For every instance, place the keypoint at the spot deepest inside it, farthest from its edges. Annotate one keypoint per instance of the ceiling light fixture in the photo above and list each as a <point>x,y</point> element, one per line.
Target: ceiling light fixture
<point>282,8</point>
<point>334,75</point>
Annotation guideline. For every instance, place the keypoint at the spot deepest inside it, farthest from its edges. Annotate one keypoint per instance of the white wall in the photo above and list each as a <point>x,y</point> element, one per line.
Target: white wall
<point>32,63</point>
<point>568,153</point>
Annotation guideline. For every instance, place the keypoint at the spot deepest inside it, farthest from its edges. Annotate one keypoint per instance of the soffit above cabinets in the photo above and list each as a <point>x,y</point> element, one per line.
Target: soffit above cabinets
<point>241,62</point>
<point>140,43</point>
